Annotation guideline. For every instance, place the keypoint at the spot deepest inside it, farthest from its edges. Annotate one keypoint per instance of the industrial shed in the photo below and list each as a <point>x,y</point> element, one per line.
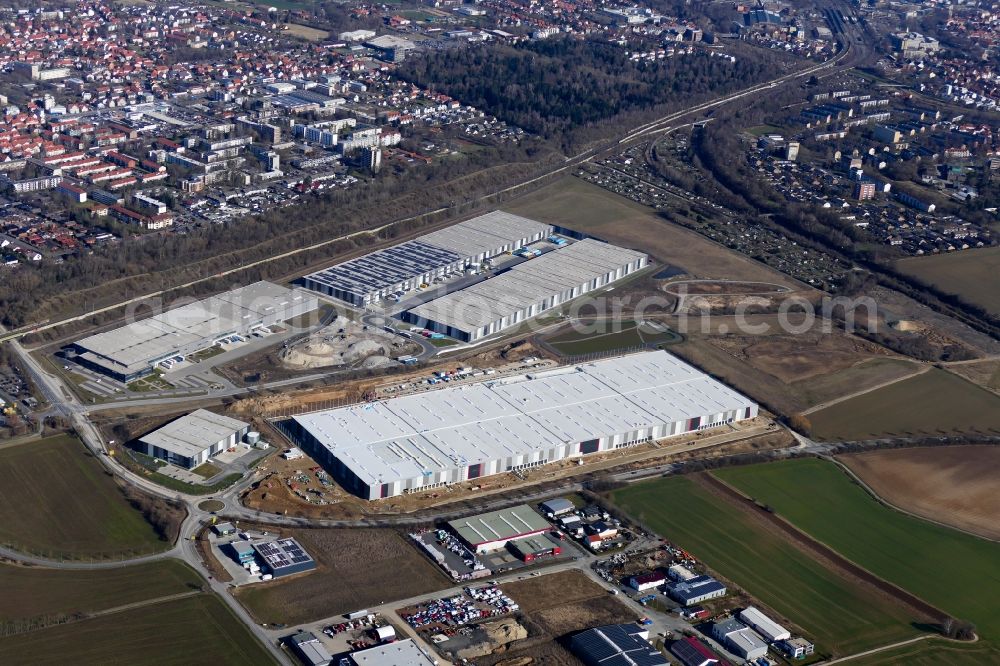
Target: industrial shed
<point>770,630</point>
<point>696,590</point>
<point>739,639</point>
<point>616,645</point>
<point>527,290</point>
<point>491,531</point>
<point>284,557</point>
<point>435,438</point>
<point>378,274</point>
<point>134,350</point>
<point>399,653</point>
<point>191,440</point>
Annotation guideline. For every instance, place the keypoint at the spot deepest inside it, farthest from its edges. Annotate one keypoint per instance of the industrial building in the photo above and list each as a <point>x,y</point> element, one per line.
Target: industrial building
<point>739,639</point>
<point>616,645</point>
<point>487,532</point>
<point>647,581</point>
<point>376,275</point>
<point>533,548</point>
<point>696,590</point>
<point>399,653</point>
<point>692,652</point>
<point>191,440</point>
<point>430,439</point>
<point>134,350</point>
<point>557,507</point>
<point>527,290</point>
<point>284,557</point>
<point>309,649</point>
<point>769,630</point>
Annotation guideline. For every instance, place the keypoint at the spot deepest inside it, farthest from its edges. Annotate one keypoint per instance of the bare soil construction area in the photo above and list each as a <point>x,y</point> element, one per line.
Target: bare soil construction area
<point>954,485</point>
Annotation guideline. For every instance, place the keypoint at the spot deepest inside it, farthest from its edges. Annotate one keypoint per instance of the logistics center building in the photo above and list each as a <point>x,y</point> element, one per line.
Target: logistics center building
<point>445,436</point>
<point>134,350</point>
<point>527,290</point>
<point>192,439</point>
<point>402,267</point>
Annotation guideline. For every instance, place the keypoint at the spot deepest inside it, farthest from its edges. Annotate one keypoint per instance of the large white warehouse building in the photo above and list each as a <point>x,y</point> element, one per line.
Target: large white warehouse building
<point>527,290</point>
<point>134,350</point>
<point>415,442</point>
<point>376,275</point>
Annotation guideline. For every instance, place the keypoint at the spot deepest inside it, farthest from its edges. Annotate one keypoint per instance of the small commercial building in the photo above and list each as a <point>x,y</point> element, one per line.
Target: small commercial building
<point>223,529</point>
<point>696,590</point>
<point>739,639</point>
<point>796,648</point>
<point>309,649</point>
<point>769,630</point>
<point>400,653</point>
<point>647,581</point>
<point>242,551</point>
<point>557,507</point>
<point>616,645</point>
<point>692,652</point>
<point>193,439</point>
<point>492,531</point>
<point>530,549</point>
<point>527,290</point>
<point>284,557</point>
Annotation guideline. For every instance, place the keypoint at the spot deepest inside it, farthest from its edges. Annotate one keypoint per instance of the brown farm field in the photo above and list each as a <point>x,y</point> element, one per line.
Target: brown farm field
<point>355,568</point>
<point>578,205</point>
<point>555,606</point>
<point>984,373</point>
<point>931,403</point>
<point>57,501</point>
<point>972,275</point>
<point>788,373</point>
<point>954,485</point>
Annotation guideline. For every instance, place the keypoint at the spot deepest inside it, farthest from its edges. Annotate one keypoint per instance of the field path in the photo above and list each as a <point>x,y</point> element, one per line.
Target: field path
<point>867,653</point>
<point>830,403</point>
<point>818,550</point>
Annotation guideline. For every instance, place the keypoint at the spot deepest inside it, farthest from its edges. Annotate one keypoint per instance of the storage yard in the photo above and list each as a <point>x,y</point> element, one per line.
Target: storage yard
<point>436,438</point>
<point>137,349</point>
<point>527,290</point>
<point>954,485</point>
<point>379,275</point>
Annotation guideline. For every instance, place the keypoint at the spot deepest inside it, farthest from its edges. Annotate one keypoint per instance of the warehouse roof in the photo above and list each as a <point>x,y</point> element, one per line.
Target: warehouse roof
<point>526,284</point>
<point>557,505</point>
<point>501,525</point>
<point>143,342</point>
<point>384,268</point>
<point>695,588</point>
<point>190,435</point>
<point>400,653</point>
<point>764,625</point>
<point>616,645</point>
<point>421,434</point>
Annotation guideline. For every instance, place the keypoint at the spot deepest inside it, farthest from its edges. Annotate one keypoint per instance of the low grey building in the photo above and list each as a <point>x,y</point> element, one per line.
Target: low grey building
<point>193,439</point>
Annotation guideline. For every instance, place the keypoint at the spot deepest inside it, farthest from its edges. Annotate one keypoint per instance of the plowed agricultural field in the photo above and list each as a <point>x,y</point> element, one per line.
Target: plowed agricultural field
<point>955,485</point>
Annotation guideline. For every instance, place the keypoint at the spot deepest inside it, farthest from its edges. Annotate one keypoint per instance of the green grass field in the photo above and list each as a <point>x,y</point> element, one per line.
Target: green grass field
<point>32,593</point>
<point>958,573</point>
<point>841,616</point>
<point>972,275</point>
<point>934,653</point>
<point>57,501</point>
<point>193,630</point>
<point>935,402</point>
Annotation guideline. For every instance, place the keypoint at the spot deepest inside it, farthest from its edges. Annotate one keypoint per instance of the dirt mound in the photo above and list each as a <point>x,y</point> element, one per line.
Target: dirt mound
<point>496,635</point>
<point>908,326</point>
